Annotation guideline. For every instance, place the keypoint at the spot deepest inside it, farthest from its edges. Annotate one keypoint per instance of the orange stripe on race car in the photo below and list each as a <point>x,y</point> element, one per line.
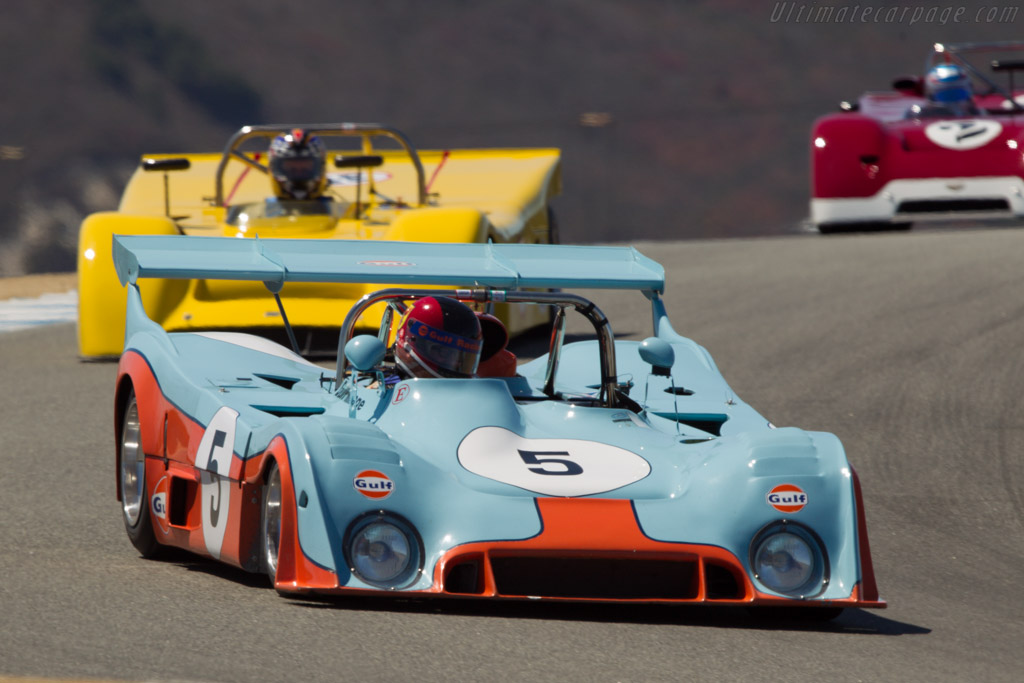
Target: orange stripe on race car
<point>596,523</point>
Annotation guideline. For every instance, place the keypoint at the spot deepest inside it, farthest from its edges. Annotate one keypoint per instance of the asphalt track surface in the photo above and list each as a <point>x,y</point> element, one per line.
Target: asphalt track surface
<point>908,346</point>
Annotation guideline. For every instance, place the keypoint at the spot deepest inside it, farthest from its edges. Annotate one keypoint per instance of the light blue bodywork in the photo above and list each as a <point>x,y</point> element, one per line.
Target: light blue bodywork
<point>712,458</point>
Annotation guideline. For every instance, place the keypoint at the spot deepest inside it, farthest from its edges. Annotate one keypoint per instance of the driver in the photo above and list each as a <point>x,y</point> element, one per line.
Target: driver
<point>495,359</point>
<point>298,163</point>
<point>439,337</point>
<point>949,93</point>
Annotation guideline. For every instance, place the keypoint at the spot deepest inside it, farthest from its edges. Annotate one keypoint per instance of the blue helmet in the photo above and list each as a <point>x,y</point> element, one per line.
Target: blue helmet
<point>947,83</point>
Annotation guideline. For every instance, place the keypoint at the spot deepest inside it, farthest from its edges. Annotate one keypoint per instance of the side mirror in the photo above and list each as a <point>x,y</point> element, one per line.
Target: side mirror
<point>659,354</point>
<point>358,161</point>
<point>175,164</point>
<point>165,165</point>
<point>909,85</point>
<point>365,352</point>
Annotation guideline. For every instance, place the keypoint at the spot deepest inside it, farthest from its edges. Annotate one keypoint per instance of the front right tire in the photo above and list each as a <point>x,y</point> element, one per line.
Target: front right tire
<point>138,522</point>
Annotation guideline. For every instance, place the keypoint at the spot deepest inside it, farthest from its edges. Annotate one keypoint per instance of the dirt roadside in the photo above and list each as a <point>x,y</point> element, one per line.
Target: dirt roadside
<point>28,286</point>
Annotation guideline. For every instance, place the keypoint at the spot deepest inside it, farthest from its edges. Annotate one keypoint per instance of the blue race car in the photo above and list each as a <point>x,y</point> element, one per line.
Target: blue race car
<point>604,470</point>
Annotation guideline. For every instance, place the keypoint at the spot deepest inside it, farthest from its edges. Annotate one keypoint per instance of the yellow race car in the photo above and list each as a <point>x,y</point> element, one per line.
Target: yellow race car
<point>376,186</point>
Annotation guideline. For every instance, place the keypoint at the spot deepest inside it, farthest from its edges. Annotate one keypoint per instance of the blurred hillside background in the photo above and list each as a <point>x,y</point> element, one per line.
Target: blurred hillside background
<point>704,106</point>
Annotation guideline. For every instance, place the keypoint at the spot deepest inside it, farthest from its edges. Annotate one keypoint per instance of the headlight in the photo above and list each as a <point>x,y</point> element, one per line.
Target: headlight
<point>789,558</point>
<point>383,550</point>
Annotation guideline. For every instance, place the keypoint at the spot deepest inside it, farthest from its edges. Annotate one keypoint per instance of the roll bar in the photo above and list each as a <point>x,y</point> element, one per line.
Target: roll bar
<point>956,52</point>
<point>605,337</point>
<point>365,131</point>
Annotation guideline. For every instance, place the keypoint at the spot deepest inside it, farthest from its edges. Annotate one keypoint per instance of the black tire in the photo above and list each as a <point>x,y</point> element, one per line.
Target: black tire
<point>132,482</point>
<point>832,228</point>
<point>270,522</point>
<point>872,226</point>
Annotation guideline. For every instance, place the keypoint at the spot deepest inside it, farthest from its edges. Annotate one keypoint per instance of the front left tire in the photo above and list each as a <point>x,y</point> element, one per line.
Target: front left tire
<point>270,523</point>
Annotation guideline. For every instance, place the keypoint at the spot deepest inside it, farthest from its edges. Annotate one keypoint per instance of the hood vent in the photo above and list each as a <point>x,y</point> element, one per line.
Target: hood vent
<point>283,382</point>
<point>706,422</point>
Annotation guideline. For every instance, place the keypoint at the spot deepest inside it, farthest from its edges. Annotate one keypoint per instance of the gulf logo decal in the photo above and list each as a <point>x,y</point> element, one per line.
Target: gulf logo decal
<point>373,484</point>
<point>963,134</point>
<point>787,498</point>
<point>551,467</point>
<point>158,504</point>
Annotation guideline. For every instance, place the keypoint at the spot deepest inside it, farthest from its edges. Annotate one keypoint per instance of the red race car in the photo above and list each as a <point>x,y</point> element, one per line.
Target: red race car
<point>945,146</point>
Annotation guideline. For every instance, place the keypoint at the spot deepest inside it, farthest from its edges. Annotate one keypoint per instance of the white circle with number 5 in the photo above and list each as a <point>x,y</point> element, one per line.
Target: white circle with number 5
<point>552,467</point>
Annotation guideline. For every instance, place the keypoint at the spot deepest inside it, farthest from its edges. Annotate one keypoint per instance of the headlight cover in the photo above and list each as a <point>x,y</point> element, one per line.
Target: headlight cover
<point>383,550</point>
<point>789,558</point>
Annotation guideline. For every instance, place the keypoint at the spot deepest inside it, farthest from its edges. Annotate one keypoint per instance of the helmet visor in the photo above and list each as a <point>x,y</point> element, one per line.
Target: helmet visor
<point>299,169</point>
<point>450,353</point>
<point>952,95</point>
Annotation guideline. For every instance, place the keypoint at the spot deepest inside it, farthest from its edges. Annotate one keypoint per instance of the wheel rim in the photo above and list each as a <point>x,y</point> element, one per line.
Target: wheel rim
<point>272,520</point>
<point>133,466</point>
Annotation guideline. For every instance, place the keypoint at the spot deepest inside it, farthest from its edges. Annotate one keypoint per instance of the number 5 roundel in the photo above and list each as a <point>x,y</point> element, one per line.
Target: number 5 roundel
<point>213,460</point>
<point>552,467</point>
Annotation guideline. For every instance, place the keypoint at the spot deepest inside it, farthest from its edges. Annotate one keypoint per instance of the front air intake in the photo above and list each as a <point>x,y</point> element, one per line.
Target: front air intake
<point>595,578</point>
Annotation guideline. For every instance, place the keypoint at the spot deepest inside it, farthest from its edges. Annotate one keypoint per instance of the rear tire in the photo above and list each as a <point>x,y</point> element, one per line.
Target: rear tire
<point>132,482</point>
<point>270,523</point>
<point>867,226</point>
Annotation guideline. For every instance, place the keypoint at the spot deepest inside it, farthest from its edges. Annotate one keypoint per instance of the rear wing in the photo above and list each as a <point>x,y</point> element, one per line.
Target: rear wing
<point>478,267</point>
<point>277,261</point>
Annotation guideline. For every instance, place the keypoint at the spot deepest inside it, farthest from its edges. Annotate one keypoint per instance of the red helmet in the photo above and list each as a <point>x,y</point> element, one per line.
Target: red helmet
<point>297,165</point>
<point>440,337</point>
